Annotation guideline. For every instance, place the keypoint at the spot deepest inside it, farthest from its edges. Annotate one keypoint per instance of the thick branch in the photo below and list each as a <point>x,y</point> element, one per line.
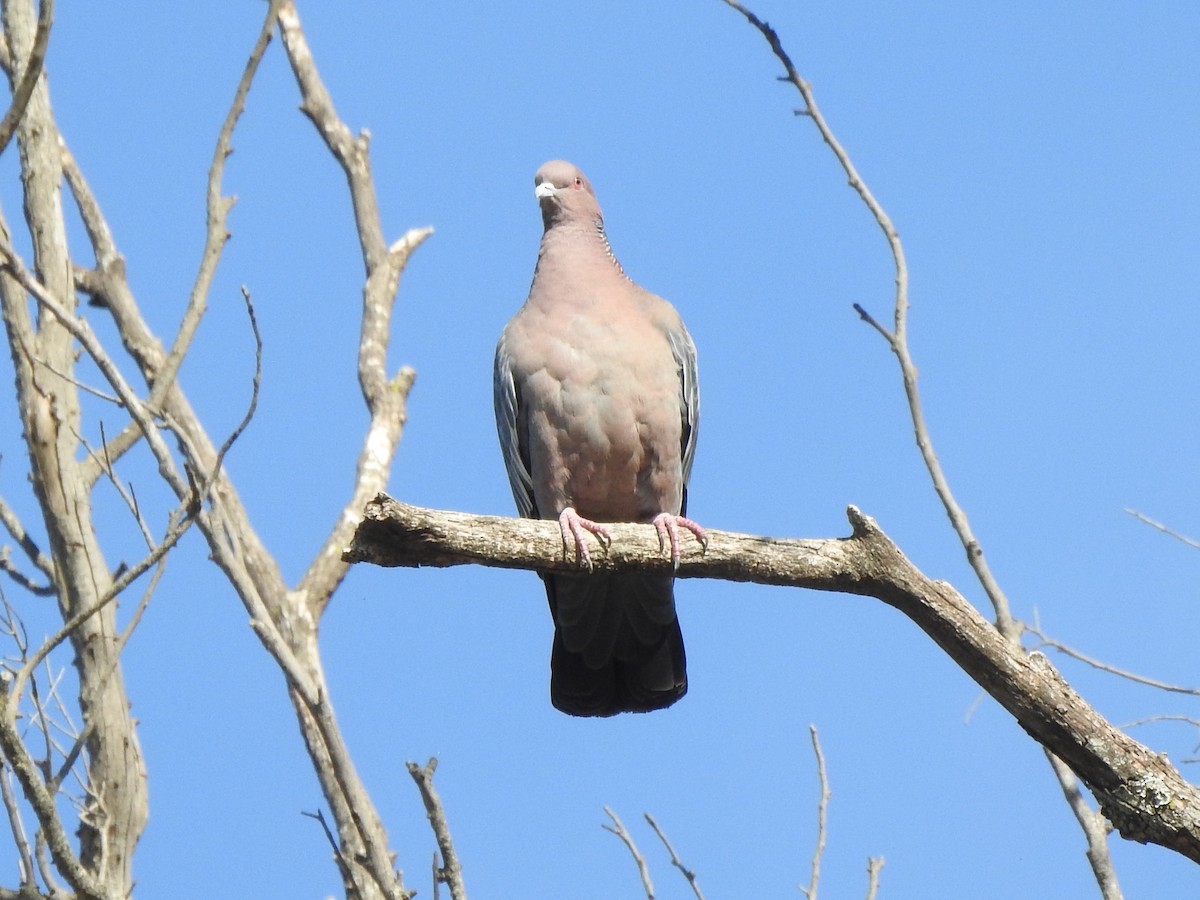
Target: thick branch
<point>115,812</point>
<point>1139,791</point>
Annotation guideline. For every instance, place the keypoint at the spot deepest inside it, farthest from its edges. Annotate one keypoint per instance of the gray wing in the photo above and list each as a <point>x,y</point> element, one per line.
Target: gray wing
<point>684,352</point>
<point>509,428</point>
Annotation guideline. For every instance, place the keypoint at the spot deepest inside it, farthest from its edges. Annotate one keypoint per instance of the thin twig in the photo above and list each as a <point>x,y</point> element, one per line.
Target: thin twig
<point>343,866</point>
<point>255,387</point>
<point>822,809</point>
<point>125,492</point>
<point>1095,830</point>
<point>898,338</point>
<point>42,721</point>
<point>1191,542</point>
<point>13,811</point>
<point>180,521</point>
<point>53,888</point>
<point>1067,650</point>
<point>216,213</point>
<point>101,284</point>
<point>618,829</point>
<point>13,526</point>
<point>42,800</point>
<point>30,74</point>
<point>386,398</point>
<point>363,822</point>
<point>75,382</point>
<point>874,864</point>
<point>82,331</point>
<point>10,569</point>
<point>1164,717</point>
<point>873,322</point>
<point>174,532</point>
<point>689,874</point>
<point>451,871</point>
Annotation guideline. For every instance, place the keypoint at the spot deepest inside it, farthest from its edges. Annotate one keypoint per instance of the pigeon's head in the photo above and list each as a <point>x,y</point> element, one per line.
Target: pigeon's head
<point>565,194</point>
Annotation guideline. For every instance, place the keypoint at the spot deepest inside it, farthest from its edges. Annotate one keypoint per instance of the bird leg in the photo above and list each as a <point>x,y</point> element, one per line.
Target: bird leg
<point>572,526</point>
<point>668,525</point>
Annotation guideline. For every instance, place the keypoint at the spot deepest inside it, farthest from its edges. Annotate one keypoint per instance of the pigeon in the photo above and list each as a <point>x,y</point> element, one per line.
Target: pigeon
<point>597,408</point>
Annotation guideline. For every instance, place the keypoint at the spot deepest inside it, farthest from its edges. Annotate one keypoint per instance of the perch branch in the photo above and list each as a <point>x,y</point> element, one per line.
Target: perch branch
<point>1140,792</point>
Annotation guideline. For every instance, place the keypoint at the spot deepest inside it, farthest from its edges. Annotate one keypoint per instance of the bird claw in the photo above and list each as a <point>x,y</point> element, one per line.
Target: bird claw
<point>572,526</point>
<point>668,525</point>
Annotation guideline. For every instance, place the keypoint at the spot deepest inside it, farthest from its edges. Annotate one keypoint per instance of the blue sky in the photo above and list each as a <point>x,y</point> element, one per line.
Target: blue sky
<point>1040,164</point>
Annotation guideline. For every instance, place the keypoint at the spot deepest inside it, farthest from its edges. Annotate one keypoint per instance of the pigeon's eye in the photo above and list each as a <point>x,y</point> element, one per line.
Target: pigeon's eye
<point>578,182</point>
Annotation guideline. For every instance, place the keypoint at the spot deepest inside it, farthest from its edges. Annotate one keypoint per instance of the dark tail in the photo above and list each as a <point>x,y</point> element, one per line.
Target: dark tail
<point>617,644</point>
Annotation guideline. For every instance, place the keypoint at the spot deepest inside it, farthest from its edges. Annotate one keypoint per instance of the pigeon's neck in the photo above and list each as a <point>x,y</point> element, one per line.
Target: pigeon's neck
<point>579,246</point>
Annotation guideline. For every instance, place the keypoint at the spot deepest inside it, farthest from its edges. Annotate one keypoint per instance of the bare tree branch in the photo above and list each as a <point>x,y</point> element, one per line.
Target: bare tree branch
<point>897,340</point>
<point>619,830</point>
<point>822,810</point>
<point>216,214</point>
<point>115,812</point>
<point>42,802</point>
<point>689,874</point>
<point>284,619</point>
<point>10,569</point>
<point>1139,791</point>
<point>343,866</point>
<point>1095,830</point>
<point>1066,650</point>
<point>1164,717</point>
<point>1164,528</point>
<point>11,809</point>
<point>30,73</point>
<point>361,832</point>
<point>874,865</point>
<point>386,399</point>
<point>81,330</point>
<point>450,872</point>
<point>13,526</point>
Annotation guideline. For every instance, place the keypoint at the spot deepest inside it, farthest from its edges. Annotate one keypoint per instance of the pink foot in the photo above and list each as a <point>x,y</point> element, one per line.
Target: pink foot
<point>572,526</point>
<point>668,527</point>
